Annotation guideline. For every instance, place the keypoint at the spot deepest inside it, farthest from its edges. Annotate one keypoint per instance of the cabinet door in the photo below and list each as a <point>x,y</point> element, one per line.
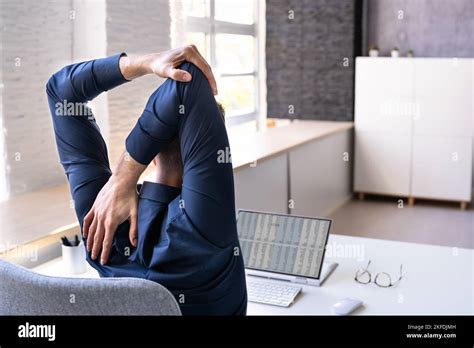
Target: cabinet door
<point>320,179</point>
<point>384,92</point>
<point>443,92</point>
<point>382,163</point>
<point>263,187</point>
<point>442,167</point>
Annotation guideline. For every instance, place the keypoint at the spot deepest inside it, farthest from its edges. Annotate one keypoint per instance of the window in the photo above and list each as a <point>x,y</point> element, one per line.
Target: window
<point>226,33</point>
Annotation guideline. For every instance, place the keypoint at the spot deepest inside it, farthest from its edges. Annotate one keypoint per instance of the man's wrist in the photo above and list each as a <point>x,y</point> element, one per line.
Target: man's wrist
<point>133,67</point>
<point>128,171</point>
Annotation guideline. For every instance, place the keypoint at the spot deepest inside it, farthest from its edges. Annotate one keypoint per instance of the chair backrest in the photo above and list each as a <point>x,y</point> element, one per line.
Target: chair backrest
<point>23,292</point>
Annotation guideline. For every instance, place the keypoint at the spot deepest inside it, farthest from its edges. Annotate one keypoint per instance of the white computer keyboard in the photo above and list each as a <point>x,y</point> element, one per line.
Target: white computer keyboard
<point>272,293</point>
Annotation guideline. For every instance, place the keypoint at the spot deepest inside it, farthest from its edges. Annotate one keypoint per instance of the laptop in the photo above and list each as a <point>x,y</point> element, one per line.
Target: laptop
<point>284,247</point>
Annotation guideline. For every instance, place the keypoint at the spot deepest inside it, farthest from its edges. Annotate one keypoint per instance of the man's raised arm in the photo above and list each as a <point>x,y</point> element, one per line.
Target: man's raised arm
<point>116,202</point>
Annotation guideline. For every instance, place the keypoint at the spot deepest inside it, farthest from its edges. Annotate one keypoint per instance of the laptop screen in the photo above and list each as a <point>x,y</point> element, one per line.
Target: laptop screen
<point>285,244</point>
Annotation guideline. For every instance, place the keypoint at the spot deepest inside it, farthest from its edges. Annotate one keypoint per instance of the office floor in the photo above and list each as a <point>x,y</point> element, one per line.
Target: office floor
<point>428,222</point>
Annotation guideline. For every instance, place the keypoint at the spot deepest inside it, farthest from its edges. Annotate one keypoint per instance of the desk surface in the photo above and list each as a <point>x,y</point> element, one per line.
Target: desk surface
<point>437,280</point>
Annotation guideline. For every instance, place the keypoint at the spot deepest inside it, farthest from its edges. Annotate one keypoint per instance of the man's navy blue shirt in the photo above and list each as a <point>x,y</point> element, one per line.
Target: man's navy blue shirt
<point>187,238</point>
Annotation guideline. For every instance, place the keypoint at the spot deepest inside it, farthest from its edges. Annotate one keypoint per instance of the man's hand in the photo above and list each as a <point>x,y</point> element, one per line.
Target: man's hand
<point>116,203</point>
<point>164,64</point>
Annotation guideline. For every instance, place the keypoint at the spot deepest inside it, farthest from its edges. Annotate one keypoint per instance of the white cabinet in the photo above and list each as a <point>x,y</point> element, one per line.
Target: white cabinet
<point>384,95</point>
<point>381,162</point>
<point>443,89</point>
<point>442,168</point>
<point>320,178</point>
<point>263,187</point>
<point>414,127</point>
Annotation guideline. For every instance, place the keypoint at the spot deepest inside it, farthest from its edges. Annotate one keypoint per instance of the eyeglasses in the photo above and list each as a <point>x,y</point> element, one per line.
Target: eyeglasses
<point>382,279</point>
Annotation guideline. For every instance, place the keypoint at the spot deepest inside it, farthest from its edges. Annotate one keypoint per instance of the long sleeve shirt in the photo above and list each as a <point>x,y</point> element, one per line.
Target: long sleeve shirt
<point>187,238</point>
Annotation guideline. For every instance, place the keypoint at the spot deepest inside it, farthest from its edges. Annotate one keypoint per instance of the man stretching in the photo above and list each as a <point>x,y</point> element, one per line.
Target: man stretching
<point>180,230</point>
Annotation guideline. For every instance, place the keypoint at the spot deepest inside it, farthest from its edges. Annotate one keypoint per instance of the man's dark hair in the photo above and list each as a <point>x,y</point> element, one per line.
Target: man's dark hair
<point>171,153</point>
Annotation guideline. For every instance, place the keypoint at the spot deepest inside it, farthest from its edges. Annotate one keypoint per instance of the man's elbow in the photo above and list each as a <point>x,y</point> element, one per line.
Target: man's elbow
<point>58,86</point>
<point>59,94</point>
<point>53,87</point>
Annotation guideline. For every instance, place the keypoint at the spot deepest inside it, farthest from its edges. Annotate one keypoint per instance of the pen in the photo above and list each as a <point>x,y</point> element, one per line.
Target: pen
<point>65,241</point>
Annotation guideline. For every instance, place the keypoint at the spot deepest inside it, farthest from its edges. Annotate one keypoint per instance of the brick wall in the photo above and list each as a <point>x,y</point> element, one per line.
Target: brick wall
<point>36,41</point>
<point>306,52</point>
<point>139,26</point>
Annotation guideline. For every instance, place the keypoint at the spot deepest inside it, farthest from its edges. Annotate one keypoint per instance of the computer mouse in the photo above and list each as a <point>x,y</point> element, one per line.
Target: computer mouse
<point>346,306</point>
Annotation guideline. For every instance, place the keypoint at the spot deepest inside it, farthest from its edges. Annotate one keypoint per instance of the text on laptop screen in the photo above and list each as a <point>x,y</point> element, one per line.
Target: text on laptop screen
<point>282,243</point>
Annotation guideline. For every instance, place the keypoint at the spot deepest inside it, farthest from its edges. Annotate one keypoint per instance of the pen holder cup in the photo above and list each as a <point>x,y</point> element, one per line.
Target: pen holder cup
<point>74,259</point>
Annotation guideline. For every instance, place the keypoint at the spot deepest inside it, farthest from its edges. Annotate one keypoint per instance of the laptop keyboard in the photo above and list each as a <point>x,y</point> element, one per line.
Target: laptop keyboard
<point>272,293</point>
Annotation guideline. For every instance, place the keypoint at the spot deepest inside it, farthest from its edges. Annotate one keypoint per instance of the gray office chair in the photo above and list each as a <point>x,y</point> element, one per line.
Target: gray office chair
<point>23,292</point>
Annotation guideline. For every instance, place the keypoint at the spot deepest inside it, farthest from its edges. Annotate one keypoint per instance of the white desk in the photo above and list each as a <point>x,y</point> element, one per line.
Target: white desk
<point>437,280</point>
